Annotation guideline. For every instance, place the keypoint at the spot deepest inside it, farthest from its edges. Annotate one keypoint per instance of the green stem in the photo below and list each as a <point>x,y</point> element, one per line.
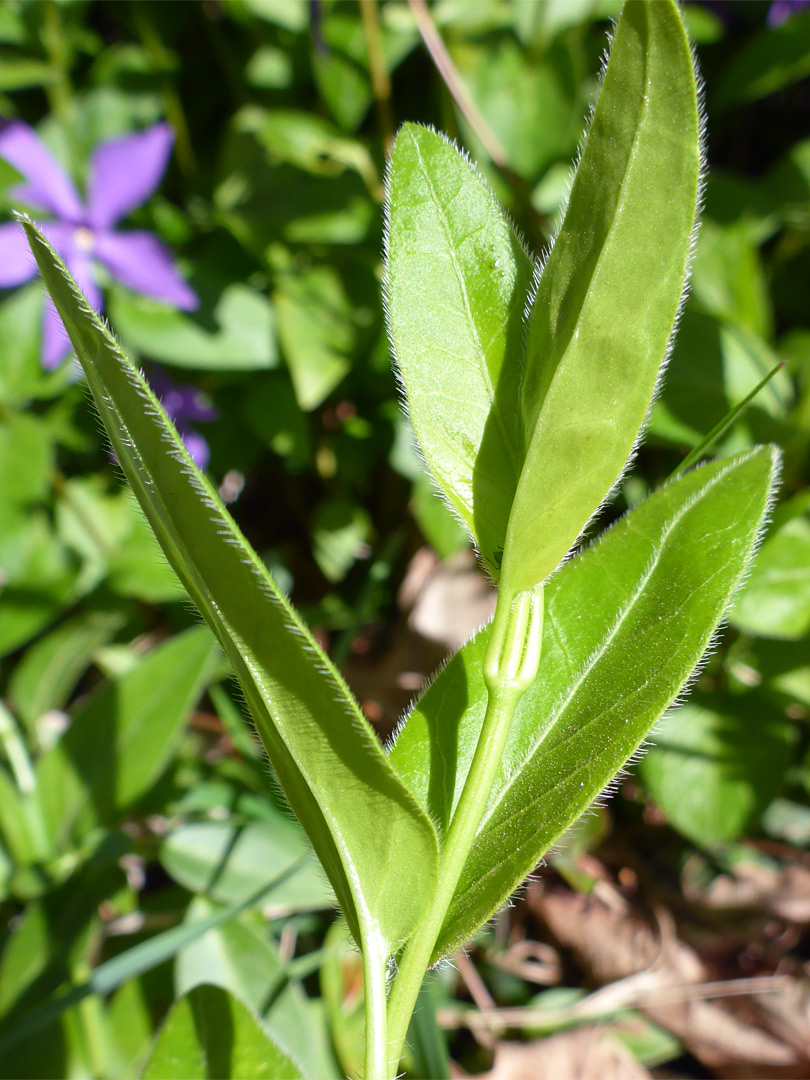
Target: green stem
<point>510,666</point>
<point>55,40</point>
<point>380,79</point>
<point>374,963</point>
<point>11,741</point>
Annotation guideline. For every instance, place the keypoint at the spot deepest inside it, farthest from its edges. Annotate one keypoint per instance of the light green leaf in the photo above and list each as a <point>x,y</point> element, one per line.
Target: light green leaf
<point>664,574</point>
<point>609,293</point>
<point>341,984</point>
<point>39,579</point>
<point>21,373</point>
<point>236,334</point>
<point>106,977</point>
<point>378,847</point>
<point>229,862</point>
<point>49,670</point>
<point>122,738</point>
<point>775,602</point>
<point>457,279</point>
<point>316,332</point>
<point>716,763</point>
<point>714,367</point>
<point>26,458</point>
<point>210,1034</point>
<point>527,444</point>
<point>341,530</point>
<point>240,957</point>
<point>532,98</point>
<point>130,1023</point>
<point>766,62</point>
<point>729,279</point>
<point>785,668</point>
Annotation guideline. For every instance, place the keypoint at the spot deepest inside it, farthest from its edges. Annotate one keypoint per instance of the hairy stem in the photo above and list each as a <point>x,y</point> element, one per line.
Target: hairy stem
<point>510,667</point>
<point>374,963</point>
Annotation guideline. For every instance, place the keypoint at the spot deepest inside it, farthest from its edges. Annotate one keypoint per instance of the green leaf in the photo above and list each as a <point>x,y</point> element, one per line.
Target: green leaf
<point>765,63</point>
<point>775,602</point>
<point>457,279</point>
<point>48,671</point>
<point>716,764</point>
<point>131,1027</point>
<point>361,820</point>
<point>210,1034</point>
<point>526,452</point>
<point>18,71</point>
<point>240,957</point>
<point>340,533</point>
<point>122,738</point>
<point>38,577</point>
<point>26,458</point>
<point>714,367</point>
<point>609,293</point>
<point>728,278</point>
<point>229,862</point>
<point>532,98</point>
<point>110,975</point>
<point>316,332</point>
<point>236,334</point>
<point>21,373</point>
<point>664,574</point>
<point>785,668</point>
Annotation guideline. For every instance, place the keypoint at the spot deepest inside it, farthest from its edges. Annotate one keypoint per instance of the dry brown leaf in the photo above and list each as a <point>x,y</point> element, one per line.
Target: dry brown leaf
<point>586,1053</point>
<point>735,1037</point>
<point>450,602</point>
<point>782,891</point>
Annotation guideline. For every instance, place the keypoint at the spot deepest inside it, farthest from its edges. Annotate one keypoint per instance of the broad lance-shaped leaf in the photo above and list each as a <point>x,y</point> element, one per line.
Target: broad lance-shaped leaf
<point>626,623</point>
<point>121,739</point>
<point>608,296</point>
<point>527,440</point>
<point>377,846</point>
<point>457,279</point>
<point>210,1032</point>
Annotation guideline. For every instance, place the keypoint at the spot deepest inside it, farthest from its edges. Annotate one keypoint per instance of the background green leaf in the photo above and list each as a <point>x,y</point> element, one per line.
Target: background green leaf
<point>208,1034</point>
<point>121,739</point>
<point>716,763</point>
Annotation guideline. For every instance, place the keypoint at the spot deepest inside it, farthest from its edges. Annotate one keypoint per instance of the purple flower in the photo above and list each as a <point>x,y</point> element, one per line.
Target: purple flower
<point>123,174</point>
<point>781,10</point>
<point>183,404</point>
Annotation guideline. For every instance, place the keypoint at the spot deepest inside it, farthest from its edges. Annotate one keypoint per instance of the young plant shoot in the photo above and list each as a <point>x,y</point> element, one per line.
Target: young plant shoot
<point>527,384</point>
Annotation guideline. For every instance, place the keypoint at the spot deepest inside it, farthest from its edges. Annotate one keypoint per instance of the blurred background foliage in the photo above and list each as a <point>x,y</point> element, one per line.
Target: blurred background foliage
<point>143,850</point>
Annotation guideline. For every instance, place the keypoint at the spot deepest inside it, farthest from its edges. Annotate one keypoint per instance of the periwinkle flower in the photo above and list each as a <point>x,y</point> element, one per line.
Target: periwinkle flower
<point>184,404</point>
<point>781,10</point>
<point>123,174</point>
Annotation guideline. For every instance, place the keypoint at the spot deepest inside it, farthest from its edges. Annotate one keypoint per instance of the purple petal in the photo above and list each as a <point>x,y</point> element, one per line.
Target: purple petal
<point>48,185</point>
<point>16,261</point>
<point>196,446</point>
<point>181,401</point>
<point>125,172</point>
<point>61,237</point>
<point>81,268</point>
<point>140,261</point>
<point>55,341</point>
<point>781,10</point>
